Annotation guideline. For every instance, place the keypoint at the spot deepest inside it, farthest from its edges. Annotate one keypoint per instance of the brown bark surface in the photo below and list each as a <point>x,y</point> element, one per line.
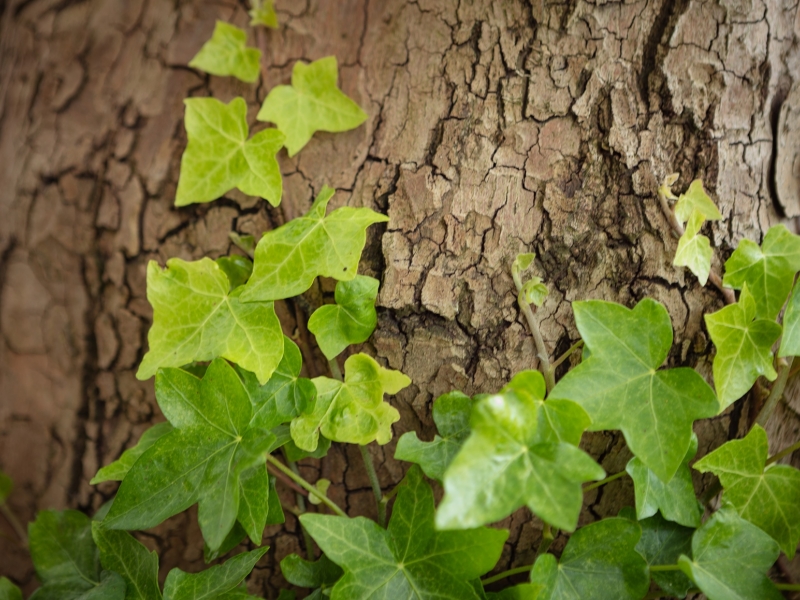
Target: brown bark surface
<point>496,127</point>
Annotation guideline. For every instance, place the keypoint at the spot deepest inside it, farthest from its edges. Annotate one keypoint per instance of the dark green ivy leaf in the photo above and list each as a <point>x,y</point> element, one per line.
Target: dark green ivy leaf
<point>599,563</point>
<point>322,573</point>
<point>238,269</point>
<point>731,557</point>
<point>217,583</point>
<point>117,470</point>
<point>620,385</point>
<point>122,553</point>
<point>451,413</point>
<point>409,560</point>
<point>350,321</point>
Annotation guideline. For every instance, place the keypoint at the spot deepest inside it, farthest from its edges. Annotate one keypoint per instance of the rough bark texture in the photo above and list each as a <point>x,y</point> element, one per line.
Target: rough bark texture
<point>495,128</point>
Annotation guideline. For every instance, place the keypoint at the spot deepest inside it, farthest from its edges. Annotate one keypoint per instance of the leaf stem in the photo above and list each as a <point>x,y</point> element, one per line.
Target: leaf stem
<point>602,482</point>
<point>533,326</point>
<point>14,522</point>
<point>576,346</point>
<point>288,483</point>
<point>548,535</point>
<point>305,485</point>
<point>300,495</point>
<point>788,587</point>
<point>783,453</point>
<point>369,465</point>
<point>504,574</point>
<point>657,568</point>
<point>336,372</point>
<point>775,393</point>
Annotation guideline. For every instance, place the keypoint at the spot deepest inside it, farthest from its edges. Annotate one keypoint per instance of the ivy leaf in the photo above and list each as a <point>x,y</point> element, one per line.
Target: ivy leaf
<point>285,396</point>
<point>523,591</point>
<point>263,13</point>
<point>451,414</point>
<point>214,583</point>
<point>195,317</point>
<point>768,497</point>
<point>350,321</point>
<point>744,347</point>
<point>694,250</point>
<point>353,410</point>
<point>254,501</point>
<point>662,542</point>
<point>790,343</point>
<point>731,557</point>
<point>522,262</point>
<point>534,291</point>
<point>294,453</point>
<point>289,258</point>
<point>409,559</point>
<point>66,559</point>
<point>696,200</point>
<point>117,470</point>
<point>504,464</point>
<point>226,53</point>
<point>599,563</point>
<point>312,103</point>
<point>620,387</point>
<point>238,269</point>
<point>6,487</point>
<point>201,460</point>
<point>219,157</point>
<point>8,591</point>
<point>322,573</point>
<point>676,499</point>
<point>767,270</point>
<point>122,553</point>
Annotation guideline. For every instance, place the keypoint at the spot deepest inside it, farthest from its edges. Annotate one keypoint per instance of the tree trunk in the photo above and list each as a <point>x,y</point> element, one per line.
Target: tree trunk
<point>496,127</point>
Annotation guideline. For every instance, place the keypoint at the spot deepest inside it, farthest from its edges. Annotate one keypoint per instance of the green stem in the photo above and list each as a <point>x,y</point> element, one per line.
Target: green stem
<point>376,484</point>
<point>15,524</point>
<point>387,498</point>
<point>548,535</point>
<point>302,508</point>
<point>775,394</point>
<point>783,453</point>
<point>788,587</point>
<point>533,326</point>
<point>576,346</point>
<point>504,574</point>
<point>336,372</point>
<point>305,485</point>
<point>657,568</point>
<point>602,482</point>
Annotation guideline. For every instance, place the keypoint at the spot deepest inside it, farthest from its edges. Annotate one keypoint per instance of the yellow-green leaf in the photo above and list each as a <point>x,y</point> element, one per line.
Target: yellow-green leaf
<point>226,53</point>
<point>694,250</point>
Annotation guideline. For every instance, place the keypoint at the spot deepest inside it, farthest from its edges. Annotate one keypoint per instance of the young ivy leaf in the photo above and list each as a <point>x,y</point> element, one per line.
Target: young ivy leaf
<point>676,500</point>
<point>744,347</point>
<point>220,582</point>
<point>66,561</point>
<point>353,410</point>
<point>768,497</point>
<point>451,414</point>
<point>534,291</point>
<point>505,464</point>
<point>289,258</point>
<point>285,396</point>
<point>226,53</point>
<point>312,103</point>
<point>197,318</point>
<point>620,387</point>
<point>263,13</point>
<point>219,157</point>
<point>696,200</point>
<point>731,557</point>
<point>694,250</point>
<point>409,559</point>
<point>767,270</point>
<point>201,460</point>
<point>350,321</point>
<point>600,562</point>
<point>122,553</point>
<point>8,591</point>
<point>117,470</point>
<point>790,342</point>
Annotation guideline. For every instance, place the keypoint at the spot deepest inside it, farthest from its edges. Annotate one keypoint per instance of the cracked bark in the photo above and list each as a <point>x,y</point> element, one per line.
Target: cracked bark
<point>495,128</point>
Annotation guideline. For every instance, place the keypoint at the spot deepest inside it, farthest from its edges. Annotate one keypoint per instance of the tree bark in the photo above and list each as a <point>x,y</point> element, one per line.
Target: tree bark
<point>495,128</point>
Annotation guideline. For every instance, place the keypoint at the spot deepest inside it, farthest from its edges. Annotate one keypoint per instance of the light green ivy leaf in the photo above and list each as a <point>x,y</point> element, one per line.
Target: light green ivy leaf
<point>122,553</point>
<point>599,563</point>
<point>620,387</point>
<point>263,13</point>
<point>226,53</point>
<point>219,156</point>
<point>117,470</point>
<point>409,560</point>
<point>744,347</point>
<point>731,558</point>
<point>312,103</point>
<point>768,497</point>
<point>451,413</point>
<point>350,321</point>
<point>353,410</point>
<point>676,499</point>
<point>695,199</point>
<point>505,464</point>
<point>197,318</point>
<point>694,250</point>
<point>8,591</point>
<point>217,583</point>
<point>767,270</point>
<point>534,291</point>
<point>790,342</point>
<point>201,460</point>
<point>289,258</point>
